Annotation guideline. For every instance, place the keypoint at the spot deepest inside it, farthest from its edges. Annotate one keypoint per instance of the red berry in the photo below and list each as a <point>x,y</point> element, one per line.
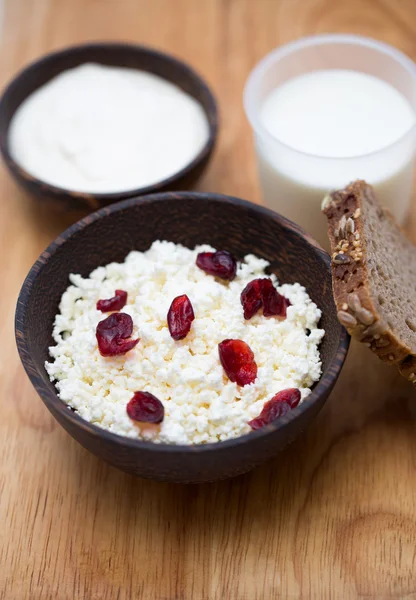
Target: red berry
<point>221,264</point>
<point>251,298</point>
<point>180,317</point>
<point>272,301</point>
<point>112,334</point>
<point>286,303</point>
<point>237,359</point>
<point>278,406</point>
<point>117,302</point>
<point>146,408</point>
<point>262,293</point>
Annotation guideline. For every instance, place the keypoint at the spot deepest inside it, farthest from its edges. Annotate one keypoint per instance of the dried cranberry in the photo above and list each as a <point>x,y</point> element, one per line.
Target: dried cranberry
<point>251,298</point>
<point>237,359</point>
<point>146,408</point>
<point>117,302</point>
<point>180,317</point>
<point>262,293</point>
<point>278,406</point>
<point>112,334</point>
<point>272,301</point>
<point>286,303</point>
<point>221,264</point>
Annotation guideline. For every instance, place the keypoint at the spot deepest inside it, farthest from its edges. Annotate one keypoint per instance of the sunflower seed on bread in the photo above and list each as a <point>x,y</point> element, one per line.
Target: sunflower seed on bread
<point>373,275</point>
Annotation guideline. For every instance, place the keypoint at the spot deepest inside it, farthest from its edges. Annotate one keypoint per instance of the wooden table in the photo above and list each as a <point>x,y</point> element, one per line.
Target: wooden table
<point>334,516</point>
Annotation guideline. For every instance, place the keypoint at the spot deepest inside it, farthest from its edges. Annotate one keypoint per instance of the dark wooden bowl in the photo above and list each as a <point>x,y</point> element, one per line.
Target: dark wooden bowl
<point>187,218</point>
<point>115,54</point>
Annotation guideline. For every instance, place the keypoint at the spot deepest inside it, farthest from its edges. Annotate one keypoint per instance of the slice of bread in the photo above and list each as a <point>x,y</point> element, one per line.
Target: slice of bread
<point>373,275</point>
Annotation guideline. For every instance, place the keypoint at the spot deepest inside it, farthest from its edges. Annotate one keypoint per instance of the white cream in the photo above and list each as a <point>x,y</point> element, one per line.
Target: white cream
<point>105,129</point>
<point>330,127</point>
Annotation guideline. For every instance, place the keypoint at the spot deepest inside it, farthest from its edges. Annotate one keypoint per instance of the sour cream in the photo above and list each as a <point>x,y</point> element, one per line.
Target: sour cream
<point>102,129</point>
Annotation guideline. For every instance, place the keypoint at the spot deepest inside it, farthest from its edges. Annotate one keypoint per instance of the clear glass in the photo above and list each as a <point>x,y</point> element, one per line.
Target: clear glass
<point>285,173</point>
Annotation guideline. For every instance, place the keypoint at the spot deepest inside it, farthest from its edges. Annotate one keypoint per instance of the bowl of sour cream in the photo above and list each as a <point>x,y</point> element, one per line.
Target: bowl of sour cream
<point>93,124</point>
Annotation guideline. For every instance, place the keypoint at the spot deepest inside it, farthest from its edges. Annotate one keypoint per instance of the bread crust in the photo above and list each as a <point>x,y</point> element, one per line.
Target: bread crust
<point>357,310</point>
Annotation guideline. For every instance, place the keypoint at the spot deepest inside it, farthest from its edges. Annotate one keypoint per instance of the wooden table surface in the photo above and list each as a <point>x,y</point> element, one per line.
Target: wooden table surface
<point>334,516</point>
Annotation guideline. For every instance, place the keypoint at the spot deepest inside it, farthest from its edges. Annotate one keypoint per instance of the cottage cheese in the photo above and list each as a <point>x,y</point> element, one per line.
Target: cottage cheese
<point>201,404</point>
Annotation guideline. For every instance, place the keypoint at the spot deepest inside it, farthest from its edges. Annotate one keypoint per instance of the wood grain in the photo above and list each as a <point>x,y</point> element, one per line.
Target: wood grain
<point>335,515</point>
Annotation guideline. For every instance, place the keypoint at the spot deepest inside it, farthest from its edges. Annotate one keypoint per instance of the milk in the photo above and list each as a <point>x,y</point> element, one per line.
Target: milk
<point>327,128</point>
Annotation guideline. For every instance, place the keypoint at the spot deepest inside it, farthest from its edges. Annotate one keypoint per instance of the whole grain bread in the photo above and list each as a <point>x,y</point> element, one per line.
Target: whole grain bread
<point>373,275</point>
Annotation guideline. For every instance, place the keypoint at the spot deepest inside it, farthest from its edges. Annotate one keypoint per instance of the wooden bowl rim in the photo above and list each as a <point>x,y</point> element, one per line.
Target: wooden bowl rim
<point>211,113</point>
<point>321,387</point>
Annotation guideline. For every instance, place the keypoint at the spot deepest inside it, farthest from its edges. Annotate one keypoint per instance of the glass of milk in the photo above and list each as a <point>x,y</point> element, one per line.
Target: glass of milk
<point>327,110</point>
